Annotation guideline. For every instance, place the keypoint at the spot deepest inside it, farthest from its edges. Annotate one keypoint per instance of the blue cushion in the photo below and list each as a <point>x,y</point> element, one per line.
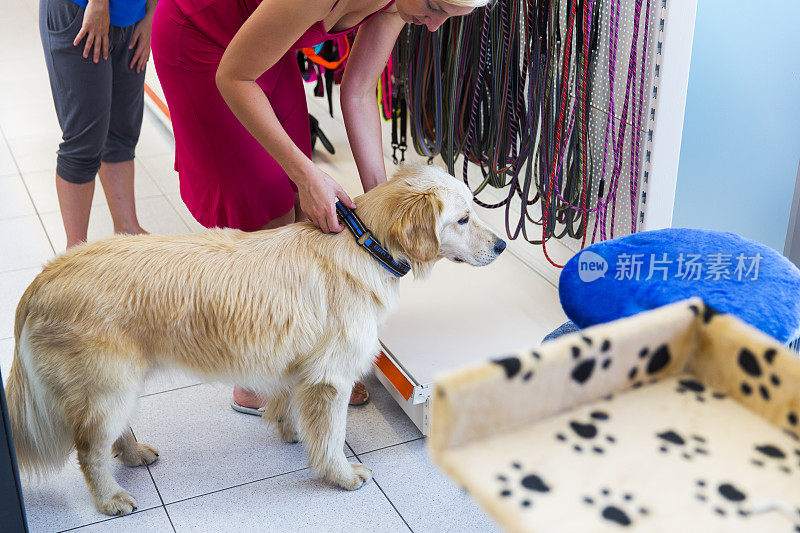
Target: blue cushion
<point>600,283</point>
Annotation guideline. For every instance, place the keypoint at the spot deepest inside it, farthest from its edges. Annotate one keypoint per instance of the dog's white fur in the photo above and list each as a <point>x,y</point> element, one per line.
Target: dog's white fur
<point>292,313</point>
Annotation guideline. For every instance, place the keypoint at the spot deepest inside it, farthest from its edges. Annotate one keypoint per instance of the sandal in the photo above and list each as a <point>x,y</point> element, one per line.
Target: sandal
<point>246,410</point>
<point>359,395</point>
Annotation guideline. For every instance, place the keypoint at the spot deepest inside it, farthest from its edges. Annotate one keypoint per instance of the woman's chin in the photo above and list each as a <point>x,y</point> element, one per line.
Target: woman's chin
<point>409,19</point>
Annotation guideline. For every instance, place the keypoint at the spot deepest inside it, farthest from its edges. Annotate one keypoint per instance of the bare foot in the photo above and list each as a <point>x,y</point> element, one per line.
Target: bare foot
<point>131,230</point>
<point>247,398</point>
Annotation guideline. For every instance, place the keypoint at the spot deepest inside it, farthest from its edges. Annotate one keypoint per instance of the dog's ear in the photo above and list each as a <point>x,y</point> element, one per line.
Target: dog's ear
<point>413,229</point>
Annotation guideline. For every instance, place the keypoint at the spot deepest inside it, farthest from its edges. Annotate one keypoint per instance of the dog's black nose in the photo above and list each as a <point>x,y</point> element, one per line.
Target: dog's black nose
<point>499,246</point>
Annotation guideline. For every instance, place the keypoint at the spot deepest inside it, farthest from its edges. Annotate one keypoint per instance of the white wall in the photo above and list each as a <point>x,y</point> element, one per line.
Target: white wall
<point>741,133</point>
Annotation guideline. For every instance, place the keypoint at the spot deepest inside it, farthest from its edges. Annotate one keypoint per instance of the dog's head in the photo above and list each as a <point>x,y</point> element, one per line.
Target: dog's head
<point>424,214</point>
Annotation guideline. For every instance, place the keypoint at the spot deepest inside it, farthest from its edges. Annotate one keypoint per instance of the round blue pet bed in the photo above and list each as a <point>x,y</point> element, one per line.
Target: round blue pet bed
<point>625,276</point>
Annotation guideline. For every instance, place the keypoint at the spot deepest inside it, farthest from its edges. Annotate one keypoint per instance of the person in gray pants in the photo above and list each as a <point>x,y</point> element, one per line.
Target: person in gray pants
<point>96,61</point>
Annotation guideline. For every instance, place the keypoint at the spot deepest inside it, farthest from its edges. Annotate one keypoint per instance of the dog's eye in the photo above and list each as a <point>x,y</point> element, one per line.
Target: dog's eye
<point>464,220</point>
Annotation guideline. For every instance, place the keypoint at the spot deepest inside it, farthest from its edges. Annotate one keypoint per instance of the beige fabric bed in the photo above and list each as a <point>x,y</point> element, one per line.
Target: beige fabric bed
<point>678,419</point>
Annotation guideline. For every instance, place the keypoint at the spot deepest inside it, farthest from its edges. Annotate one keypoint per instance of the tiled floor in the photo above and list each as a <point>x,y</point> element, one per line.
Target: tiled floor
<point>218,470</point>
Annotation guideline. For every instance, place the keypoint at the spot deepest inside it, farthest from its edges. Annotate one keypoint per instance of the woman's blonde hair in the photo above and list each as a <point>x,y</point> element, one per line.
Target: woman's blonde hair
<point>468,3</point>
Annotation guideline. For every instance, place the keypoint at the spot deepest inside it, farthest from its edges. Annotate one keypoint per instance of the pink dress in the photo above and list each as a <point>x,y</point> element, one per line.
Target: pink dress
<point>227,179</point>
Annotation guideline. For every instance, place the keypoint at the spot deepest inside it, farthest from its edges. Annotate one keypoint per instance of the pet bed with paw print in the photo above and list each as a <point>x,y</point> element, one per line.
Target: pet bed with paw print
<point>676,419</point>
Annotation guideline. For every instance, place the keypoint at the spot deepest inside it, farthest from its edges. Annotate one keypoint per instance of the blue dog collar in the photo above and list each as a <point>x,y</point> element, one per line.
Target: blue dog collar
<point>365,239</point>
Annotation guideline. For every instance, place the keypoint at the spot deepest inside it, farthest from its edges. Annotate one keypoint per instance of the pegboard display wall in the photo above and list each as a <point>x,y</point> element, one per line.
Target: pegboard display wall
<point>525,125</point>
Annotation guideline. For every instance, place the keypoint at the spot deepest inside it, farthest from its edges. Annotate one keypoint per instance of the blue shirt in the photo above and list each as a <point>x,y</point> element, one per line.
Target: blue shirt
<point>123,12</point>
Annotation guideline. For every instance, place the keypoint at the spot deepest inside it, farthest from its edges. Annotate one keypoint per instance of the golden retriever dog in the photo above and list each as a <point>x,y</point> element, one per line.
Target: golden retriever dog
<point>292,313</point>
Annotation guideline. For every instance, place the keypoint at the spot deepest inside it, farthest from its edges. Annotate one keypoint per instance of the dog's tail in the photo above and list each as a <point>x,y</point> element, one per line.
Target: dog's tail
<point>42,438</point>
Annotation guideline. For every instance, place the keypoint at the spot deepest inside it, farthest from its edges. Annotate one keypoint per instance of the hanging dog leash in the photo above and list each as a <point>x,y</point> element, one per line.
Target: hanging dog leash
<point>510,90</point>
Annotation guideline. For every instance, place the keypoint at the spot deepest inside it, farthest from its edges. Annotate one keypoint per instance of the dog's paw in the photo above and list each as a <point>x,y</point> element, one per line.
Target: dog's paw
<point>288,433</point>
<point>120,503</point>
<point>144,455</point>
<point>360,476</point>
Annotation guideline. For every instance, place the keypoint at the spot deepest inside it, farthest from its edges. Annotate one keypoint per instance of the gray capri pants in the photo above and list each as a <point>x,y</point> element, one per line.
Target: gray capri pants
<point>99,106</point>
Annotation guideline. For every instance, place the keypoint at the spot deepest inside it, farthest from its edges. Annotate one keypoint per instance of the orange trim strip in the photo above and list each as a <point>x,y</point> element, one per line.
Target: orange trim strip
<point>160,103</point>
<point>395,377</point>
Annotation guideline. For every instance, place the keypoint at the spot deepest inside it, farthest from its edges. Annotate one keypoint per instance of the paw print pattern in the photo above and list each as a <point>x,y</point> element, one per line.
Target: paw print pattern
<point>622,512</point>
<point>791,418</point>
<point>706,312</point>
<point>791,434</point>
<point>773,455</point>
<point>748,362</point>
<point>520,486</point>
<point>689,447</point>
<point>657,360</point>
<point>513,366</point>
<point>693,386</point>
<point>587,435</point>
<point>725,500</point>
<point>586,364</point>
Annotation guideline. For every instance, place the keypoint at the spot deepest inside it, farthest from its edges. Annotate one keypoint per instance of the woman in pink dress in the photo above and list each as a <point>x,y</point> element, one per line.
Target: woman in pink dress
<point>229,72</point>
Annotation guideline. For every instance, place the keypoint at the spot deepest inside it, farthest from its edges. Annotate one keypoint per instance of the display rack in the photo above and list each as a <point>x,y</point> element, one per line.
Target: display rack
<point>462,315</point>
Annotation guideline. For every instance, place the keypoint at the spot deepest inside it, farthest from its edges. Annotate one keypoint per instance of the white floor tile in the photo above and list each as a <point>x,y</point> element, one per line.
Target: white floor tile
<point>150,521</point>
<point>184,213</point>
<point>63,501</point>
<point>14,199</point>
<point>29,89</point>
<point>21,39</point>
<point>28,121</point>
<point>16,12</point>
<point>18,8</point>
<point>42,186</point>
<point>292,502</point>
<point>8,166</point>
<point>29,66</point>
<point>12,285</point>
<point>427,500</point>
<point>162,170</point>
<point>165,380</point>
<point>6,356</point>
<point>100,226</point>
<point>155,138</point>
<point>205,445</point>
<point>156,215</point>
<point>35,152</point>
<point>23,243</point>
<point>379,423</point>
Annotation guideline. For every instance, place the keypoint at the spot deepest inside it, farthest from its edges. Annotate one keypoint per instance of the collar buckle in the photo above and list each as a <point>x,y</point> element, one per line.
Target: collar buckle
<point>361,240</point>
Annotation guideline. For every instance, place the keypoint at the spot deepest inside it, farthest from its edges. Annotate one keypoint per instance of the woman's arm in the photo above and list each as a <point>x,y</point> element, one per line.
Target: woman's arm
<point>367,60</point>
<point>261,41</point>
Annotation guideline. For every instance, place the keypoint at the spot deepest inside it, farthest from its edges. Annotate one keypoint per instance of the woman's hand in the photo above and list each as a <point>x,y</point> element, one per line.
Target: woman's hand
<point>141,40</point>
<point>96,20</point>
<point>318,194</point>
